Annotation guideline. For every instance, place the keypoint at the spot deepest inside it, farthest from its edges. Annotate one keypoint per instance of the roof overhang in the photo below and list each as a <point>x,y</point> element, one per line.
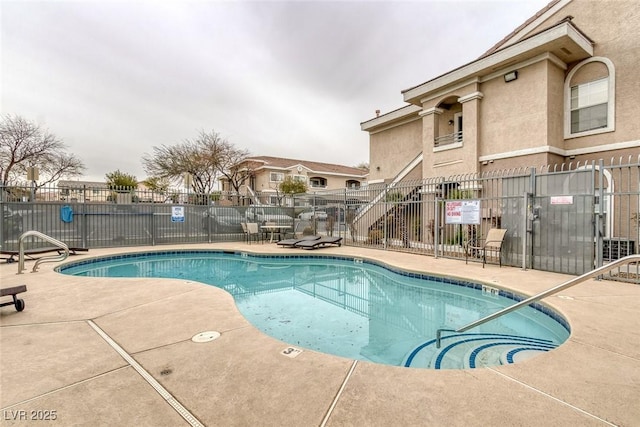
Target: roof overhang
<point>563,40</point>
<point>393,117</point>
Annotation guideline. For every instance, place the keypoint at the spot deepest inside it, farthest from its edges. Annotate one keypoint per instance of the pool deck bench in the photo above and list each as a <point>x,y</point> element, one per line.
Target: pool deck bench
<point>120,352</point>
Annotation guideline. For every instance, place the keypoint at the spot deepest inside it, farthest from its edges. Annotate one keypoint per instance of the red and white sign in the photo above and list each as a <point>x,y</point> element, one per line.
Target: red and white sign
<point>462,212</point>
<point>562,200</point>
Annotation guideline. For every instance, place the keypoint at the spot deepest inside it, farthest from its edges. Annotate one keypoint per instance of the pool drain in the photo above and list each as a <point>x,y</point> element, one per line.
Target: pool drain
<point>205,336</point>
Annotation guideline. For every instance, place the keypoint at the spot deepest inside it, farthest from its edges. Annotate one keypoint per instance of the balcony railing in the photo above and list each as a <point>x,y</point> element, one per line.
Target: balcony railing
<point>451,138</point>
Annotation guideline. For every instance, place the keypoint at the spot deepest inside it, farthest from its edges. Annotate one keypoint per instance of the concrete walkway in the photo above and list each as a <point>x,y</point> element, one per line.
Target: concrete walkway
<point>118,352</point>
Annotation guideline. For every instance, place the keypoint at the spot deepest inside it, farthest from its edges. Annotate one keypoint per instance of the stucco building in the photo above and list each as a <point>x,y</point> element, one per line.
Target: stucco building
<point>562,87</point>
<point>266,173</point>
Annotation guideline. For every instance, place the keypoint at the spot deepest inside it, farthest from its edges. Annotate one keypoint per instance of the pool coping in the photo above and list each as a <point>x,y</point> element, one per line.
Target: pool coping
<point>593,379</point>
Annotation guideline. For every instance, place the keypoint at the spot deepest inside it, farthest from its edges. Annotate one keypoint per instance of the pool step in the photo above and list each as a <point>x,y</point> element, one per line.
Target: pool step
<point>465,351</point>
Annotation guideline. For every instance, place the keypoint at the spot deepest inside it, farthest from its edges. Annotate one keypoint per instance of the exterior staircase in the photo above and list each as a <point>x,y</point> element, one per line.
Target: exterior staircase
<point>365,218</point>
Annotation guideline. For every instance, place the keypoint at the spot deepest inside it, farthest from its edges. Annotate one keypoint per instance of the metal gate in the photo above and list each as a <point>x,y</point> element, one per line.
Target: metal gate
<point>562,222</point>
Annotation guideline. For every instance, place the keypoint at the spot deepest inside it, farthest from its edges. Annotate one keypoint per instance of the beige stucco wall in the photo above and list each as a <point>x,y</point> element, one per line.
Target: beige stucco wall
<point>391,150</point>
<point>521,162</point>
<point>555,106</point>
<point>334,182</point>
<point>614,26</point>
<point>521,119</point>
<point>262,182</point>
<point>514,114</point>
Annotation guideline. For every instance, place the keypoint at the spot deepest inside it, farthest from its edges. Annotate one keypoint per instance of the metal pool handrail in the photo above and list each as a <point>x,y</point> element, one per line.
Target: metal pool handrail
<point>576,280</point>
<point>49,258</point>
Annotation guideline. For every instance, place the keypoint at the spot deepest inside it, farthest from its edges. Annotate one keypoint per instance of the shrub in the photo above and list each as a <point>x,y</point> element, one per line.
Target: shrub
<point>375,237</point>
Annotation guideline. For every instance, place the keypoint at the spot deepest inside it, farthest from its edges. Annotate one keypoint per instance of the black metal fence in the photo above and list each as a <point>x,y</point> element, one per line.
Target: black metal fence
<point>568,218</point>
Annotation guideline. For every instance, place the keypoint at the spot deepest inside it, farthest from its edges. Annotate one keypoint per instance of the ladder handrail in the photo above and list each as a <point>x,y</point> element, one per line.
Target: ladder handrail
<point>569,283</point>
<point>49,258</point>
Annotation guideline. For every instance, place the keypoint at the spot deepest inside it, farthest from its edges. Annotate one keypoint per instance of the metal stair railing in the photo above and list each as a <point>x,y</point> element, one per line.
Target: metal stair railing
<point>47,258</point>
<point>398,178</point>
<point>575,281</point>
<point>254,196</point>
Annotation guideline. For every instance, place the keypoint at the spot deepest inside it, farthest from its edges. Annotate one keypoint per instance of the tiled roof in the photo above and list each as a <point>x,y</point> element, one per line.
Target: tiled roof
<point>282,163</point>
<point>498,45</point>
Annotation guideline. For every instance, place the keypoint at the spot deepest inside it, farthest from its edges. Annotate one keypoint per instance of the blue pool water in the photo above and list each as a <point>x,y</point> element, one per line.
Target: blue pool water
<point>355,308</point>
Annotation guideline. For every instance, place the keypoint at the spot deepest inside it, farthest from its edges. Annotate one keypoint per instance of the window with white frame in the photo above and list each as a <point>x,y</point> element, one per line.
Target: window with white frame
<point>318,182</point>
<point>589,94</point>
<point>589,105</point>
<point>300,178</point>
<point>276,177</point>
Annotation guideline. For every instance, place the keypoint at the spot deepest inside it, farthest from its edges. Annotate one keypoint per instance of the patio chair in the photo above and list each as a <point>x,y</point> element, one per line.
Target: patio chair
<point>244,230</point>
<point>253,232</point>
<point>492,245</point>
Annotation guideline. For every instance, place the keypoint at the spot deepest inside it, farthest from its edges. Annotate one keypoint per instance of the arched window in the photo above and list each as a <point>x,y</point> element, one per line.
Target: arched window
<point>589,98</point>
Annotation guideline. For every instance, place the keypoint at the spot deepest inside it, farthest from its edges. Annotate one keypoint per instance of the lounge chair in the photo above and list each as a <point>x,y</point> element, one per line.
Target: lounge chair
<point>492,244</point>
<point>319,243</point>
<point>12,292</point>
<point>289,243</point>
<point>30,254</point>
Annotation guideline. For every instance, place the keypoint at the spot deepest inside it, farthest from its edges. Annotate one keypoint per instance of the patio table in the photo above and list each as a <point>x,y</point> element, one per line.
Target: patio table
<point>273,229</point>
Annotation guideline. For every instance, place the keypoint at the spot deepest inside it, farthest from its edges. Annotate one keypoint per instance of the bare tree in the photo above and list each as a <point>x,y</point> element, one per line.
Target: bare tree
<point>363,165</point>
<point>198,157</point>
<point>231,165</point>
<point>24,144</point>
<point>58,166</point>
<point>160,185</point>
<point>205,158</point>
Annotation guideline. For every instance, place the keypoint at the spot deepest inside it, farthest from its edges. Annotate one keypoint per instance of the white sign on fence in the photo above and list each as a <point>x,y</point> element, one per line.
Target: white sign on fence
<point>462,212</point>
<point>177,213</point>
<point>562,200</point>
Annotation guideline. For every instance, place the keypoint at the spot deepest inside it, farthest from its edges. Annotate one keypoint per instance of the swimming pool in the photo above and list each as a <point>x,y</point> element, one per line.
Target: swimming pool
<point>355,308</point>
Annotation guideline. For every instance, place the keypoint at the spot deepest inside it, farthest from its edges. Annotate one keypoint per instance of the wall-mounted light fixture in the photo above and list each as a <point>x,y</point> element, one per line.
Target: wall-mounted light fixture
<point>511,76</point>
<point>450,122</point>
<point>377,168</point>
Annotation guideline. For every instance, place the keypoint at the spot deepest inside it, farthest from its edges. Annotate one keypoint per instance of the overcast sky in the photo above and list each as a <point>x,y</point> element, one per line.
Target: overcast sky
<point>290,79</point>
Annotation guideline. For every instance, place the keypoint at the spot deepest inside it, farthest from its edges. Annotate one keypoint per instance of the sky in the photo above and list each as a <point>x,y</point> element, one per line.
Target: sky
<point>112,79</point>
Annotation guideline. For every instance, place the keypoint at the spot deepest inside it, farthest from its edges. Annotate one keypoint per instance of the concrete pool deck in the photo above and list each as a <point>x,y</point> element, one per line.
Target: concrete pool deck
<point>56,360</point>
